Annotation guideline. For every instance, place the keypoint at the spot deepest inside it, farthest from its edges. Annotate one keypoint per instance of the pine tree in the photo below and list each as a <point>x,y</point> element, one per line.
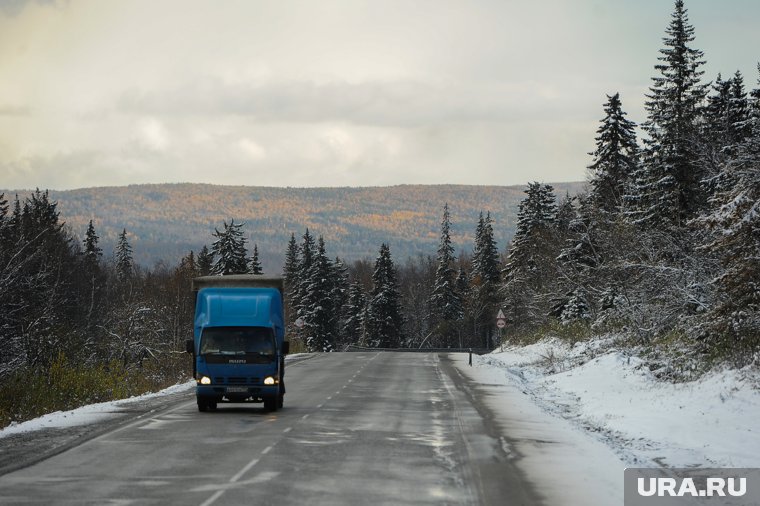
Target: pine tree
<point>530,270</point>
<point>92,252</point>
<point>445,305</point>
<point>383,320</point>
<point>353,325</point>
<point>254,266</point>
<point>484,280</point>
<point>734,326</point>
<point>577,308</point>
<point>290,274</point>
<point>667,190</point>
<point>536,217</point>
<point>124,261</point>
<point>339,297</point>
<point>318,308</point>
<point>615,158</point>
<point>205,261</point>
<point>307,250</point>
<point>290,269</point>
<point>229,250</point>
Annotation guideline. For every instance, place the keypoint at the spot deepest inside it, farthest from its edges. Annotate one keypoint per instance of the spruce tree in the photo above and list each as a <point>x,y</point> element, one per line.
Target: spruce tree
<point>339,297</point>
<point>734,327</point>
<point>530,270</point>
<point>445,305</point>
<point>484,280</point>
<point>229,250</point>
<point>318,309</point>
<point>353,325</point>
<point>308,251</point>
<point>92,252</point>
<point>384,322</point>
<point>205,261</point>
<point>615,158</point>
<point>254,266</point>
<point>668,189</point>
<point>536,216</point>
<point>290,275</point>
<point>124,261</point>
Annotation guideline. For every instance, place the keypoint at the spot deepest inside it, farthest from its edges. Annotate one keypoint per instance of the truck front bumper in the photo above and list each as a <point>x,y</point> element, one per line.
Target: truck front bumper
<point>237,392</point>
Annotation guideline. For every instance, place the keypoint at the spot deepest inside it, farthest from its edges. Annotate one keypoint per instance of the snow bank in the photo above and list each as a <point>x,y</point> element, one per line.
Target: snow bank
<point>88,414</point>
<point>712,422</point>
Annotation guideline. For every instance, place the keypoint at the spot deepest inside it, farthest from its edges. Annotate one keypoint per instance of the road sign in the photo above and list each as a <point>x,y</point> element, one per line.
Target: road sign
<point>501,323</point>
<point>501,315</point>
<point>299,322</point>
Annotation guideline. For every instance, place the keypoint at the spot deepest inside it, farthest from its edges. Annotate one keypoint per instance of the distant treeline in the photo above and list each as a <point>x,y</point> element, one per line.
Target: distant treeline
<point>165,221</point>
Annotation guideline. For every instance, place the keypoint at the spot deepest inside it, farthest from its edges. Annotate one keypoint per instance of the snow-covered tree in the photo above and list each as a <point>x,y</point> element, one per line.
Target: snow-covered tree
<point>445,305</point>
<point>383,320</point>
<point>615,158</point>
<point>229,250</point>
<point>536,216</point>
<point>667,189</point>
<point>317,306</point>
<point>124,262</point>
<point>290,275</point>
<point>205,261</point>
<point>735,221</point>
<point>577,308</point>
<point>339,297</point>
<point>92,252</point>
<point>254,265</point>
<point>485,278</point>
<point>356,307</point>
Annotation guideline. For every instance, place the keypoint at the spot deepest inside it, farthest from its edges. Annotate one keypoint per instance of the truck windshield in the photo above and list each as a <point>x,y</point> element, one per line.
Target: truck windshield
<point>237,341</point>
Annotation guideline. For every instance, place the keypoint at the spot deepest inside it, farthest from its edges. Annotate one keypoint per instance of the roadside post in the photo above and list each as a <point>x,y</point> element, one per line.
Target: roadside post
<point>470,357</point>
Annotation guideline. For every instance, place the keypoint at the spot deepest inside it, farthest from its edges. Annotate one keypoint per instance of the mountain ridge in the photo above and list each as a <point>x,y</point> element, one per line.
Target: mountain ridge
<point>166,221</point>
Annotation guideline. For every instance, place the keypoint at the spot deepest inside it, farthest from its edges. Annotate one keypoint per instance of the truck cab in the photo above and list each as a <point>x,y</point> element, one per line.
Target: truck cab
<point>238,341</point>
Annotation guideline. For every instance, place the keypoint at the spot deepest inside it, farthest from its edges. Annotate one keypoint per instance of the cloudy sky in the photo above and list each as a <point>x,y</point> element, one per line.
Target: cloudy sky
<point>329,92</point>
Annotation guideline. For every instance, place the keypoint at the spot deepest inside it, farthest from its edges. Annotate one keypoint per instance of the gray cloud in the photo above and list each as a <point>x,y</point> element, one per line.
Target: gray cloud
<point>14,110</point>
<point>15,7</point>
<point>399,103</point>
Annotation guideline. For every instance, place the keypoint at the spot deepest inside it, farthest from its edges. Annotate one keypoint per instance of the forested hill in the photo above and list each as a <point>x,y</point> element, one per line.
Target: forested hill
<point>165,221</point>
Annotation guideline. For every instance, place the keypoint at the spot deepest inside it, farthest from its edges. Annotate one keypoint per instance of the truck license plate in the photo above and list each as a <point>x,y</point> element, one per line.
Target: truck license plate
<point>234,390</point>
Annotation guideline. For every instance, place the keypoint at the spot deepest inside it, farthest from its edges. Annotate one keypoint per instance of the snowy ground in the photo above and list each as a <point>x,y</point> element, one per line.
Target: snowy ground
<point>89,414</point>
<point>94,413</point>
<point>599,410</point>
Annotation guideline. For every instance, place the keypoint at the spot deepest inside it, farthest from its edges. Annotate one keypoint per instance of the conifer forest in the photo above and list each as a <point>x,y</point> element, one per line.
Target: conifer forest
<point>661,250</point>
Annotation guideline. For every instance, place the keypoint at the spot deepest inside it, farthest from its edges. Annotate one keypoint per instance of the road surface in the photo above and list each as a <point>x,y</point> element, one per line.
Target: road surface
<point>357,428</point>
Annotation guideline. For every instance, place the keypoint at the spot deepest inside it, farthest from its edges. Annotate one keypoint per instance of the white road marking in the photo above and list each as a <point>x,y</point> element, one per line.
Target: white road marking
<point>304,417</point>
<point>247,468</point>
<point>211,500</point>
<point>288,430</point>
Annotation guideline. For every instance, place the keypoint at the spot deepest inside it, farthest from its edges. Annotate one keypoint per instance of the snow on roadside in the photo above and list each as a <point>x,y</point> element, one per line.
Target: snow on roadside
<point>87,414</point>
<point>711,422</point>
<point>101,411</point>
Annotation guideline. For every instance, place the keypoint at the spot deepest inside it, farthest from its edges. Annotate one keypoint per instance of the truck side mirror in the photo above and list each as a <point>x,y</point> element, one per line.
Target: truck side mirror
<point>190,346</point>
<point>285,347</point>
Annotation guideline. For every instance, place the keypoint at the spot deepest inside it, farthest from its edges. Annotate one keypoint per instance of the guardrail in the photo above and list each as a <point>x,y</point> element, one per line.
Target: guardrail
<point>476,351</point>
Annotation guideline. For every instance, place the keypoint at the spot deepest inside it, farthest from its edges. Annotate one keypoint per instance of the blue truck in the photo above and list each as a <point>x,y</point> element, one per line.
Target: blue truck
<point>238,343</point>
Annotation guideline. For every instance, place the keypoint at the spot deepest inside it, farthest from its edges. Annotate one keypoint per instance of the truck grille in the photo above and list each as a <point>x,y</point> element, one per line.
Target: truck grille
<point>236,380</point>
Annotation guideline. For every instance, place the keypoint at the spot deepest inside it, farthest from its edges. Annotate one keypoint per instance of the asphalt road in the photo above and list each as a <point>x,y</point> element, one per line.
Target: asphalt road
<point>357,428</point>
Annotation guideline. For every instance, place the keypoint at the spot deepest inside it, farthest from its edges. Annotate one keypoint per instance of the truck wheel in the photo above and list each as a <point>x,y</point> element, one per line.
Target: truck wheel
<point>212,405</point>
<point>202,405</point>
<point>280,400</point>
<point>270,403</point>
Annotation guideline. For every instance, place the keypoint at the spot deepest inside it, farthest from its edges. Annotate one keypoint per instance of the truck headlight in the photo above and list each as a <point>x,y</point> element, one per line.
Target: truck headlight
<point>269,380</point>
<point>205,380</point>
